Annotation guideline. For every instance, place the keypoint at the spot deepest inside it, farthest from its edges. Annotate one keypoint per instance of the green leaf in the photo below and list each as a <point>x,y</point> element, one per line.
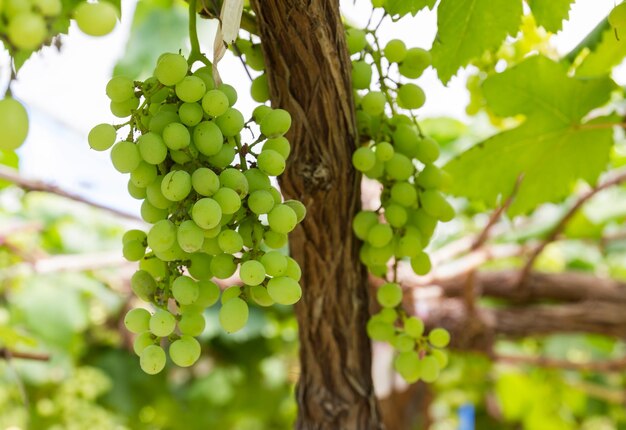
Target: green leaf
<point>467,28</point>
<point>552,148</point>
<point>404,7</point>
<point>607,54</point>
<point>550,13</point>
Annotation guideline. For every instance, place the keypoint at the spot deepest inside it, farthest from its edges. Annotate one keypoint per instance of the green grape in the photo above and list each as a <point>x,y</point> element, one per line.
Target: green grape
<point>414,327</point>
<point>190,89</point>
<point>161,119</point>
<point>137,320</point>
<point>406,139</point>
<point>284,290</point>
<point>230,241</point>
<point>376,171</point>
<point>143,175</point>
<point>224,157</point>
<point>252,272</point>
<point>363,159</point>
<point>176,185</point>
<point>356,40</point>
<point>384,151</point>
<point>275,123</point>
<point>171,69</point>
<point>411,96</point>
<point>125,156</point>
<point>429,369</point>
<point>410,244</point>
<point>133,250</point>
<point>399,168</point>
<point>205,181</point>
<point>280,145</point>
<point>424,222</point>
<point>617,16</point>
<point>421,263</point>
<point>120,89</point>
<point>152,148</point>
<point>152,359</point>
<point>388,315</point>
<point>395,51</point>
<point>228,199</point>
<point>414,63</point>
<point>142,341</point>
<point>403,343</point>
<point>223,266</point>
<point>380,255</point>
<point>251,232</point>
<point>275,240</point>
<point>185,290</point>
<point>190,114</point>
<point>260,296</point>
<point>231,293</point>
<point>379,235</point>
<point>235,180</point>
<point>13,123</point>
<point>282,219</point>
<point>209,294</point>
<point>427,150</point>
<point>206,74</point>
<point>95,19</point>
<point>207,213</point>
<point>259,90</point>
<point>233,315</point>
<point>215,103</point>
<point>361,75</point>
<point>101,137</point>
<point>293,269</point>
<point>124,109</point>
<point>176,136</point>
<point>404,193</point>
<point>298,208</point>
<point>380,330</point>
<point>162,323</point>
<point>389,295</point>
<point>162,235</point>
<point>363,222</point>
<point>48,8</point>
<point>271,162</point>
<point>278,198</point>
<point>430,177</point>
<point>208,138</point>
<point>255,59</point>
<point>259,112</point>
<point>190,237</point>
<point>373,103</point>
<point>441,357</point>
<point>260,202</point>
<point>230,92</point>
<point>409,366</point>
<point>173,253</point>
<point>211,245</point>
<point>154,195</point>
<point>199,265</point>
<point>154,267</point>
<point>435,205</point>
<point>395,215</point>
<point>231,122</point>
<point>439,337</point>
<point>136,235</point>
<point>275,263</point>
<point>27,31</point>
<point>185,351</point>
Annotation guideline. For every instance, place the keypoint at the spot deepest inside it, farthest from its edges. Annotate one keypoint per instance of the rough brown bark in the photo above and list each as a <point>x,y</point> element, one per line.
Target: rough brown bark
<point>308,71</point>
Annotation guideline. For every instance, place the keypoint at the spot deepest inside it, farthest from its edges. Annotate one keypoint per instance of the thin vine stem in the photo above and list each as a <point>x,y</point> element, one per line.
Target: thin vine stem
<point>195,54</point>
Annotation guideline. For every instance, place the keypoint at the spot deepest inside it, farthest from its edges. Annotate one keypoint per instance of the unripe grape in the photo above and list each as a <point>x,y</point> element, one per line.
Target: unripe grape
<point>395,215</point>
<point>384,151</point>
<point>617,16</point>
<point>142,341</point>
<point>363,222</point>
<point>137,320</point>
<point>361,75</point>
<point>254,58</point>
<point>176,185</point>
<point>275,263</point>
<point>230,92</point>
<point>185,351</point>
<point>120,89</point>
<point>162,235</point>
<point>124,109</point>
<point>284,290</point>
<point>153,267</point>
<point>404,193</point>
<point>260,202</point>
<point>414,63</point>
<point>223,158</point>
<point>152,148</point>
<point>373,103</point>
<point>276,123</point>
<point>152,359</point>
<point>429,369</point>
<point>228,199</point>
<point>171,69</point>
<point>235,180</point>
<point>230,241</point>
<point>209,294</point>
<point>403,343</point>
<point>389,295</point>
<point>259,89</point>
<point>410,244</point>
<point>13,123</point>
<point>143,175</point>
<point>190,114</point>
<point>125,156</point>
<point>280,145</point>
<point>208,138</point>
<point>95,19</point>
<point>190,237</point>
<point>355,38</point>
<point>430,177</point>
<point>298,208</point>
<point>427,150</point>
<point>379,235</point>
<point>48,8</point>
<point>380,330</point>
<point>154,195</point>
<point>282,219</point>
<point>274,239</point>
<point>215,103</point>
<point>190,89</point>
<point>363,159</point>
<point>27,31</point>
<point>233,315</point>
<point>230,122</point>
<point>421,264</point>
<point>143,285</point>
<point>162,323</point>
<point>406,139</point>
<point>414,327</point>
<point>441,357</point>
<point>176,136</point>
<point>435,205</point>
<point>161,119</point>
<point>411,96</point>
<point>293,269</point>
<point>223,266</point>
<point>206,74</point>
<point>399,167</point>
<point>271,162</point>
<point>185,290</point>
<point>207,213</point>
<point>395,51</point>
<point>260,296</point>
<point>408,365</point>
<point>199,265</point>
<point>134,234</point>
<point>252,272</point>
<point>439,337</point>
<point>133,250</point>
<point>102,137</point>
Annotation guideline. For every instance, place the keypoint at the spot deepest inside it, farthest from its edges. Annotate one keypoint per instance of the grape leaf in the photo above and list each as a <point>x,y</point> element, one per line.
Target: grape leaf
<point>404,7</point>
<point>552,148</point>
<point>467,28</point>
<point>550,13</point>
<point>608,53</point>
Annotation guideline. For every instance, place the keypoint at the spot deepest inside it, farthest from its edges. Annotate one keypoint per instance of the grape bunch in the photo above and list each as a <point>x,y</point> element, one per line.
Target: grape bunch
<point>210,201</point>
<point>396,153</point>
<point>25,26</point>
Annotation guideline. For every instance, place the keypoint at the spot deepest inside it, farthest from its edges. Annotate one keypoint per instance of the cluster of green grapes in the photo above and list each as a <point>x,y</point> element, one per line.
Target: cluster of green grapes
<point>395,153</point>
<point>211,203</point>
<point>26,25</point>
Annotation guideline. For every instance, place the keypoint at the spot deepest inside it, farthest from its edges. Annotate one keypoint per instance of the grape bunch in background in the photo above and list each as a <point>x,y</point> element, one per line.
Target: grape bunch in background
<point>211,202</point>
<point>26,26</point>
<point>396,153</point>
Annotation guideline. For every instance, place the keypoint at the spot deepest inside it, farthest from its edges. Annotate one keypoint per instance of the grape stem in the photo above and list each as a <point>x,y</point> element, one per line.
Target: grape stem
<point>195,54</point>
